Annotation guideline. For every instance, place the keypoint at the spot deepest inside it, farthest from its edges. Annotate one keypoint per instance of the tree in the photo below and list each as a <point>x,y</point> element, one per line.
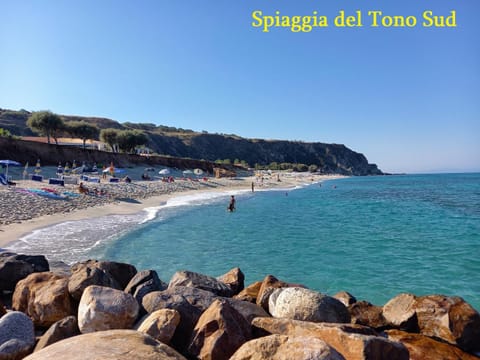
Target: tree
<point>128,140</point>
<point>82,130</point>
<point>45,123</point>
<point>110,136</point>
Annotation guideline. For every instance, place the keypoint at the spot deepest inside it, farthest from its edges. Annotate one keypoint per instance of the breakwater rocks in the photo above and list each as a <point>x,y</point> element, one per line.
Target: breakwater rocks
<point>109,310</point>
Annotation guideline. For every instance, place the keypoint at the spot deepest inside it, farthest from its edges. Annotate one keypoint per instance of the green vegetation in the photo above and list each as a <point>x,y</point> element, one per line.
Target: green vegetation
<point>46,123</point>
<point>5,133</point>
<point>82,130</point>
<point>124,140</point>
<point>109,136</point>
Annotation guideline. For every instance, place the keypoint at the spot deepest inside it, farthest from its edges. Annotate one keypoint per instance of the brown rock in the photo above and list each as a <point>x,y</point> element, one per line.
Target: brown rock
<point>86,274</point>
<point>450,319</point>
<point>354,342</point>
<point>62,329</point>
<point>15,267</point>
<point>345,297</point>
<point>108,345</point>
<point>250,293</point>
<point>160,324</point>
<point>282,347</point>
<point>219,332</point>
<point>422,347</point>
<point>122,273</point>
<point>189,302</point>
<point>103,308</point>
<point>44,297</point>
<point>248,310</point>
<point>366,314</point>
<point>400,313</point>
<point>234,279</point>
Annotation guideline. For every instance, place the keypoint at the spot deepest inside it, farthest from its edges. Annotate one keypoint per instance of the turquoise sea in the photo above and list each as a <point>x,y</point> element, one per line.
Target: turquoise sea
<point>374,237</point>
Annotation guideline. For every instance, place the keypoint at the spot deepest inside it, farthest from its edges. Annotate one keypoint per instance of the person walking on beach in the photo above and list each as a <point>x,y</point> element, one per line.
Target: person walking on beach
<point>231,206</point>
<point>253,187</point>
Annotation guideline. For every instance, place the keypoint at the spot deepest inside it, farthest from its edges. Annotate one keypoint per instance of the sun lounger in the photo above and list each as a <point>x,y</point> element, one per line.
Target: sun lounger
<point>56,182</point>
<point>93,179</point>
<point>72,180</point>
<point>37,178</point>
<point>114,180</point>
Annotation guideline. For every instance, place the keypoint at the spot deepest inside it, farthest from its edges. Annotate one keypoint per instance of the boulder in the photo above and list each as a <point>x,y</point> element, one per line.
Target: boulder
<point>17,335</point>
<point>200,281</point>
<point>189,302</point>
<point>248,310</point>
<point>108,345</point>
<point>15,267</point>
<point>160,324</point>
<point>144,282</point>
<point>345,297</point>
<point>103,308</point>
<point>60,268</point>
<point>449,318</point>
<point>3,311</point>
<point>219,332</point>
<point>86,274</point>
<point>122,273</point>
<point>282,347</point>
<point>307,305</point>
<point>62,329</point>
<point>399,312</point>
<point>364,313</point>
<point>422,347</point>
<point>44,297</point>
<point>250,293</point>
<point>269,284</point>
<point>234,279</point>
<point>354,342</point>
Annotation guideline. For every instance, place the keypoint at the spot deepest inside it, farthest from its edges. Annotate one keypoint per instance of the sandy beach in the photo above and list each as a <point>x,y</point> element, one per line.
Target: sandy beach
<point>23,210</point>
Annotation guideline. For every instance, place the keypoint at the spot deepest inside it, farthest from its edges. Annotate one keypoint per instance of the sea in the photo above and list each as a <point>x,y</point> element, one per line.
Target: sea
<point>375,237</point>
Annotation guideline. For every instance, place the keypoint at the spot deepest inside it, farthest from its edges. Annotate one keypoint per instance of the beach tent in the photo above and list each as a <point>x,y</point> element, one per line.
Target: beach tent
<point>187,172</point>
<point>164,172</point>
<point>198,171</point>
<point>7,163</point>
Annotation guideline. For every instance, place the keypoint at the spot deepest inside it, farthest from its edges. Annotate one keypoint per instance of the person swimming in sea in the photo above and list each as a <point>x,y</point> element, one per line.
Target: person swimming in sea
<point>231,205</point>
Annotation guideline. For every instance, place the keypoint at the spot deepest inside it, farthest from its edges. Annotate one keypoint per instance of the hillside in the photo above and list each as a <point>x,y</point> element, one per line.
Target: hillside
<point>170,141</point>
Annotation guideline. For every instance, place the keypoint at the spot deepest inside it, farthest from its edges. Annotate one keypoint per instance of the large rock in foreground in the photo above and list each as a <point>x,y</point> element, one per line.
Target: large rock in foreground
<point>62,329</point>
<point>219,332</point>
<point>44,297</point>
<point>354,342</point>
<point>303,304</point>
<point>108,345</point>
<point>282,347</point>
<point>103,308</point>
<point>422,347</point>
<point>17,336</point>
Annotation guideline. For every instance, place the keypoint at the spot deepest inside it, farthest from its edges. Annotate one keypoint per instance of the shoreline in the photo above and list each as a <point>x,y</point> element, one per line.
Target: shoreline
<point>10,233</point>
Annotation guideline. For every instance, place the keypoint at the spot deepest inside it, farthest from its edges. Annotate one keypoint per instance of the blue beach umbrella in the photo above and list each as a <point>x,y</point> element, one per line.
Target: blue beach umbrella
<point>7,163</point>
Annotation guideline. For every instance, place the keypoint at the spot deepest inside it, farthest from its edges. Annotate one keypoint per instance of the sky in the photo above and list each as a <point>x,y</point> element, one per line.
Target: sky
<point>408,98</point>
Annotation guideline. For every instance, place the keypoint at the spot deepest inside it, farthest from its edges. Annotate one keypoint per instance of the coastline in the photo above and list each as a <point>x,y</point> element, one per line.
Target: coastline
<point>9,233</point>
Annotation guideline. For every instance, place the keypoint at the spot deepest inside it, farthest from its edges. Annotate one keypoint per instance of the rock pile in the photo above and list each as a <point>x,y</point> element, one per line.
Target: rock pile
<point>108,310</point>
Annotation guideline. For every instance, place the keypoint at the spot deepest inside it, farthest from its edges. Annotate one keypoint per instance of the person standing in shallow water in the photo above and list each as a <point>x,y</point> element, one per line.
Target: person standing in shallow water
<point>231,205</point>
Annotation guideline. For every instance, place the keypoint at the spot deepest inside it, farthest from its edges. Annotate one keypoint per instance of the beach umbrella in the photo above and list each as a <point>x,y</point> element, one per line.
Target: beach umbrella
<point>38,168</point>
<point>25,171</point>
<point>198,171</point>
<point>66,170</point>
<point>164,172</point>
<point>8,163</point>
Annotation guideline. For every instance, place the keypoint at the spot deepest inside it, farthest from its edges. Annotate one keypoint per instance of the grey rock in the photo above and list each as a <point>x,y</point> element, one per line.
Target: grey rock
<point>17,335</point>
<point>200,281</point>
<point>303,304</point>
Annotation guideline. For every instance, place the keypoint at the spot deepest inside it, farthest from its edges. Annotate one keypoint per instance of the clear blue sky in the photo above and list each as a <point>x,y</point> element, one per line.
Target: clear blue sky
<point>407,98</point>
